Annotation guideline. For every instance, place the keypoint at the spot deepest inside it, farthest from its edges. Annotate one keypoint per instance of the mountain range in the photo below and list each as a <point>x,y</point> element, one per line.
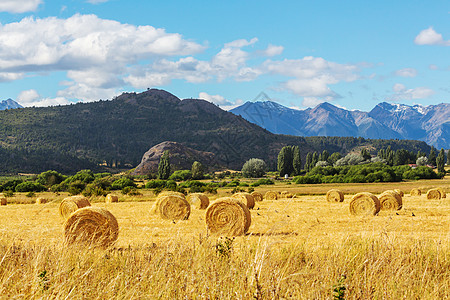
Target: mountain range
<point>385,121</point>
<point>113,135</point>
<point>9,104</point>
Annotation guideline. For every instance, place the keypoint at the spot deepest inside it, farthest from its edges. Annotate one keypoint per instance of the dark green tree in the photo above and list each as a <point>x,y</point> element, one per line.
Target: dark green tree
<point>197,170</point>
<point>440,161</point>
<point>401,157</point>
<point>420,154</point>
<point>334,158</point>
<point>448,158</point>
<point>308,161</point>
<point>365,154</point>
<point>314,159</point>
<point>284,165</point>
<point>164,166</point>
<point>296,160</point>
<point>432,157</point>
<point>324,156</point>
<point>49,178</point>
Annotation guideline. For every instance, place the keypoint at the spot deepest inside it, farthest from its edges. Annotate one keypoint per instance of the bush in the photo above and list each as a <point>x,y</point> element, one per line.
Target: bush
<point>10,185</point>
<point>181,175</point>
<point>156,183</point>
<point>29,186</point>
<point>50,178</point>
<point>121,183</point>
<point>254,167</point>
<point>262,181</point>
<point>93,189</point>
<point>130,191</point>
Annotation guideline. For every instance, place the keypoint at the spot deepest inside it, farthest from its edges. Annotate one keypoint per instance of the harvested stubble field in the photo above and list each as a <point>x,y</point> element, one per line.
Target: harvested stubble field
<point>300,248</point>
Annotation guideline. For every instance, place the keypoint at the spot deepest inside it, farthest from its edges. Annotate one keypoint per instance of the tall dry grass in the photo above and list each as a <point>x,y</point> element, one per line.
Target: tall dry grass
<point>299,248</point>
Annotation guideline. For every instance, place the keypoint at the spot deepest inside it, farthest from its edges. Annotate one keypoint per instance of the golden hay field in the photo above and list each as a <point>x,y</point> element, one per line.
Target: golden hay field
<point>301,248</point>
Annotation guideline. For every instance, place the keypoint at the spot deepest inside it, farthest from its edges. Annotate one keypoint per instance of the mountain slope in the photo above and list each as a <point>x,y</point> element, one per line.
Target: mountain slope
<point>115,134</point>
<point>385,121</point>
<point>9,104</point>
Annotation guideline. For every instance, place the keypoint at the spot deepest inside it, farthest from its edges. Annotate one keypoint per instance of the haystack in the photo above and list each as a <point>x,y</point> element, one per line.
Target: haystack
<point>415,192</point>
<point>285,195</point>
<point>400,192</point>
<point>111,198</point>
<point>257,196</point>
<point>41,200</point>
<point>335,195</point>
<point>433,194</point>
<point>173,207</point>
<point>198,200</point>
<point>441,190</point>
<point>3,201</point>
<point>390,200</point>
<point>71,204</point>
<point>228,217</point>
<point>245,198</point>
<point>271,195</point>
<point>92,226</point>
<point>364,204</point>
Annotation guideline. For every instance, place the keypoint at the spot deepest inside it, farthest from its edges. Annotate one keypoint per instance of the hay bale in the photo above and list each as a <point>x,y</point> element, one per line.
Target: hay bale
<point>93,226</point>
<point>41,200</point>
<point>364,204</point>
<point>229,217</point>
<point>3,201</point>
<point>442,192</point>
<point>433,194</point>
<point>198,200</point>
<point>245,198</point>
<point>390,200</point>
<point>173,207</point>
<point>71,204</point>
<point>257,196</point>
<point>335,195</point>
<point>165,193</point>
<point>400,192</point>
<point>111,198</point>
<point>415,192</point>
<point>271,195</point>
<point>285,195</point>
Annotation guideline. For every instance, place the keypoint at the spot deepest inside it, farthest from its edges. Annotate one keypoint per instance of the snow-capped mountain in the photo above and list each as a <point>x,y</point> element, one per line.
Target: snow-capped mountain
<point>9,104</point>
<point>385,121</point>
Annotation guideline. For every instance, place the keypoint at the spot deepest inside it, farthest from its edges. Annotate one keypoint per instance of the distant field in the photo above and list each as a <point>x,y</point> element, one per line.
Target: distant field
<point>301,248</point>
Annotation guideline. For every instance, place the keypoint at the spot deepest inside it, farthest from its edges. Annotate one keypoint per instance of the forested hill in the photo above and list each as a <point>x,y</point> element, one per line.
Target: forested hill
<point>115,134</point>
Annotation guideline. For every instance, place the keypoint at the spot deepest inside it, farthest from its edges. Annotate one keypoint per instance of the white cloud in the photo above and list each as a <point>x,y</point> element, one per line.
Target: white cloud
<point>19,6</point>
<point>430,37</point>
<point>312,76</point>
<point>402,93</point>
<point>216,99</point>
<point>28,96</point>
<point>95,52</point>
<point>406,72</point>
<point>273,50</point>
<point>433,67</point>
<point>241,43</point>
<point>311,101</point>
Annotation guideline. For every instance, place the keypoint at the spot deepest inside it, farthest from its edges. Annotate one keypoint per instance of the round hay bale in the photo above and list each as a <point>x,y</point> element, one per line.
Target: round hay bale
<point>71,204</point>
<point>3,201</point>
<point>400,192</point>
<point>165,193</point>
<point>229,217</point>
<point>364,204</point>
<point>285,195</point>
<point>442,192</point>
<point>198,200</point>
<point>271,195</point>
<point>335,195</point>
<point>41,200</point>
<point>173,207</point>
<point>111,198</point>
<point>245,198</point>
<point>433,194</point>
<point>92,226</point>
<point>415,192</point>
<point>257,196</point>
<point>390,200</point>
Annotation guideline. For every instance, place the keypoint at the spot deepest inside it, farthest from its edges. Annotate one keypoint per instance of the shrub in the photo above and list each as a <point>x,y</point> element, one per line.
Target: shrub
<point>262,181</point>
<point>254,167</point>
<point>197,170</point>
<point>181,175</point>
<point>156,183</point>
<point>121,183</point>
<point>29,186</point>
<point>49,178</point>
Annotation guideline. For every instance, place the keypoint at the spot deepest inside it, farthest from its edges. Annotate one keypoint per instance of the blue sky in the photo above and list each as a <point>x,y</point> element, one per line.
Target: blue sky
<point>353,54</point>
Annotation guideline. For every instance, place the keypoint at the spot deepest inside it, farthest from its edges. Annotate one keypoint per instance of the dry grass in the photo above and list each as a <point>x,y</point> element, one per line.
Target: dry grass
<point>298,248</point>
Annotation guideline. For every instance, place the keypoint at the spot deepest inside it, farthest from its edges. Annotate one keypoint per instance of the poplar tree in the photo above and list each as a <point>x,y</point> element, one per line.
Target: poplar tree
<point>164,166</point>
<point>296,160</point>
<point>440,161</point>
<point>432,157</point>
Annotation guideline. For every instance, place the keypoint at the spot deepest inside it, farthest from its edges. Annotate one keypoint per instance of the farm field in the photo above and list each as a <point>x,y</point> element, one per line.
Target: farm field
<point>299,248</point>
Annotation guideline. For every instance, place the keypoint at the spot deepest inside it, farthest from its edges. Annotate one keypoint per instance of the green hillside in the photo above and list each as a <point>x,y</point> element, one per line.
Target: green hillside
<point>115,134</point>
